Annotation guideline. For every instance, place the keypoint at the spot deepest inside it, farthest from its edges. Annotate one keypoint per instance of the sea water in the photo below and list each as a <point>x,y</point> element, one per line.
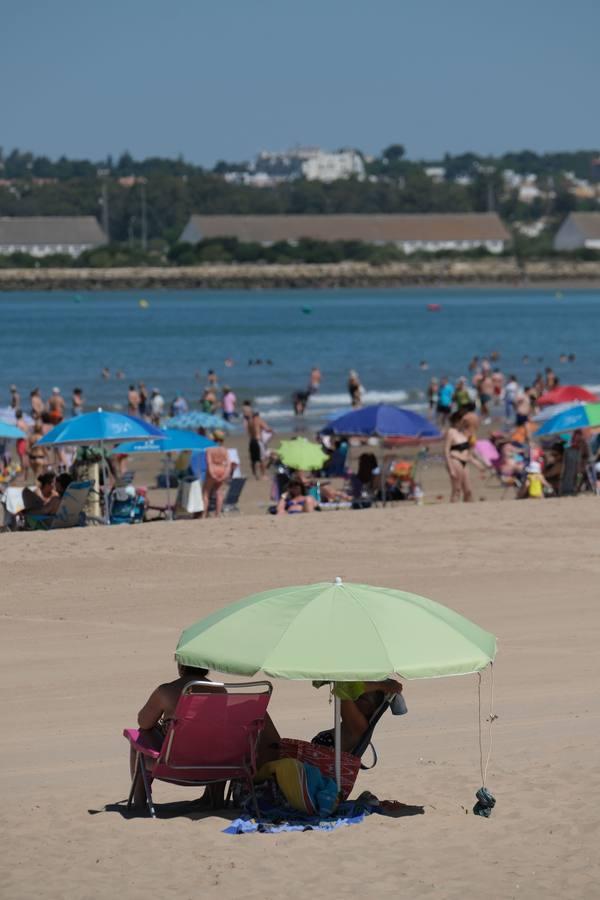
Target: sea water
<point>390,337</point>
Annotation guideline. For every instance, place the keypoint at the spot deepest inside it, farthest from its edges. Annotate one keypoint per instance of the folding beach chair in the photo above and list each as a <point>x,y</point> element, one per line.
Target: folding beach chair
<point>211,738</point>
<point>232,497</point>
<point>70,512</point>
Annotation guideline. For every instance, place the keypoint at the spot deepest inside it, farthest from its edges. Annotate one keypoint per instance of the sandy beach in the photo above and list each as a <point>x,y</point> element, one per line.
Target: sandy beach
<point>90,621</point>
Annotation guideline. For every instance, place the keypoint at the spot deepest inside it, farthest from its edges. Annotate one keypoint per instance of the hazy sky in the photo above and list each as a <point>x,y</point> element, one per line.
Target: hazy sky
<point>215,79</point>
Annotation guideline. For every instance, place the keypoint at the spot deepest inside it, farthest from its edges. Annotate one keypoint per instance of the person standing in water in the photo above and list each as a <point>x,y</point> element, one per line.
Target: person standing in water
<point>355,389</point>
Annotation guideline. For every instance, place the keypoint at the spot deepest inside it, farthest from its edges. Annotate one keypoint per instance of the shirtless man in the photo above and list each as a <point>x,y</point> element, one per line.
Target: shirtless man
<point>56,406</point>
<point>153,719</point>
<point>256,426</point>
<point>37,404</point>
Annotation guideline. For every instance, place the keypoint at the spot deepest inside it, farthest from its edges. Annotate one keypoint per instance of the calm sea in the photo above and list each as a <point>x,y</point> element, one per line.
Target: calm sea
<point>66,339</point>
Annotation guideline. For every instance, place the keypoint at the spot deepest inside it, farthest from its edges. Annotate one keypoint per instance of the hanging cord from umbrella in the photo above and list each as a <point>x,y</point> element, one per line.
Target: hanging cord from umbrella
<point>485,800</point>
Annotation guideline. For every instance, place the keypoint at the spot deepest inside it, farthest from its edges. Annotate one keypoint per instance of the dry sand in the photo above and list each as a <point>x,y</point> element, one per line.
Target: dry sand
<point>90,619</point>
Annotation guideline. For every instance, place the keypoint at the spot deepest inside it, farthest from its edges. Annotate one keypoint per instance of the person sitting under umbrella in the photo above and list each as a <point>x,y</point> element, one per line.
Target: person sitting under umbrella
<point>359,700</point>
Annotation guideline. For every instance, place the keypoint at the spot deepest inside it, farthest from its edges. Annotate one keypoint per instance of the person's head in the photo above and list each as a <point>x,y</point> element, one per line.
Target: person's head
<point>13,389</point>
<point>38,428</point>
<point>62,482</point>
<point>296,486</point>
<point>18,414</point>
<point>577,439</point>
<point>218,436</point>
<point>368,703</point>
<point>77,392</point>
<point>35,392</point>
<point>46,480</point>
<point>56,391</point>
<point>456,417</point>
<point>132,387</point>
<point>194,673</point>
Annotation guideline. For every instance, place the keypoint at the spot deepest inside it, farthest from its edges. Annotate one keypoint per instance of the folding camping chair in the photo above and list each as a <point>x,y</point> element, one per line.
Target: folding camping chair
<point>232,497</point>
<point>211,738</point>
<point>70,512</point>
<point>569,476</point>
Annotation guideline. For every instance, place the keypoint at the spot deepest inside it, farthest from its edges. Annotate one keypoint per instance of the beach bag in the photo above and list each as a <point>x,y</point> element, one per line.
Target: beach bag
<point>324,760</point>
<point>189,496</point>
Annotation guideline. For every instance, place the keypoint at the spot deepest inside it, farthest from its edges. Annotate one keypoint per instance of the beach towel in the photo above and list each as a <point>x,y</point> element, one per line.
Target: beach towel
<point>275,813</point>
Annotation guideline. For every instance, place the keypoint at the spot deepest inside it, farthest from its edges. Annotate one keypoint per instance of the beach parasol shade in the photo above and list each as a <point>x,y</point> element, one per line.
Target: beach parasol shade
<point>98,428</point>
<point>192,420</point>
<point>302,455</point>
<point>337,632</point>
<point>585,415</point>
<point>172,442</point>
<point>383,420</point>
<point>567,393</point>
<point>10,432</point>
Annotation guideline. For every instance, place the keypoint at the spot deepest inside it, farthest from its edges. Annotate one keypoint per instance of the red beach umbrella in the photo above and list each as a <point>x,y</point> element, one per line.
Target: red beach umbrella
<point>568,393</point>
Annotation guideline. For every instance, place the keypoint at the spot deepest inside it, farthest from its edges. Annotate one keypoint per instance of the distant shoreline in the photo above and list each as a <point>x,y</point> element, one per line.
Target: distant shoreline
<point>555,274</point>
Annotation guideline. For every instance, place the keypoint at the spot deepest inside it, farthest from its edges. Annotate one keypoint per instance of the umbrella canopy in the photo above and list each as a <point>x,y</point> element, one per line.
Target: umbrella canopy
<point>302,455</point>
<point>172,442</point>
<point>10,432</point>
<point>99,427</point>
<point>585,415</point>
<point>567,393</point>
<point>337,632</point>
<point>383,420</point>
<point>550,411</point>
<point>193,420</point>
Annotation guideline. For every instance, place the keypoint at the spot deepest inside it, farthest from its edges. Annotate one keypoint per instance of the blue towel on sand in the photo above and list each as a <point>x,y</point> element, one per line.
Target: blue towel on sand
<point>348,813</point>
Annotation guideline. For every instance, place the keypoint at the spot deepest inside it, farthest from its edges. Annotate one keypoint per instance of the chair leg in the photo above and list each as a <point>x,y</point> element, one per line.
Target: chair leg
<point>254,800</point>
<point>148,789</point>
<point>134,781</point>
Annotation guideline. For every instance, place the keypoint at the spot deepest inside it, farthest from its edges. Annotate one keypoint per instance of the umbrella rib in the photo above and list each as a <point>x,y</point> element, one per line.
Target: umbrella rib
<point>366,612</point>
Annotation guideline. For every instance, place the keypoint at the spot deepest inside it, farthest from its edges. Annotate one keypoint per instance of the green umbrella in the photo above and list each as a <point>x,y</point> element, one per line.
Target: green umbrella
<point>337,632</point>
<point>302,455</point>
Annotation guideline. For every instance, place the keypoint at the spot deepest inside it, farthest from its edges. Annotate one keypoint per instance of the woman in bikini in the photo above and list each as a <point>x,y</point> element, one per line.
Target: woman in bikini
<point>218,470</point>
<point>295,499</point>
<point>458,453</point>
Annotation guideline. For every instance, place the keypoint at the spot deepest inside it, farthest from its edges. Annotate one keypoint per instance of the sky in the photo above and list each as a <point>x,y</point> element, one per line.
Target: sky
<point>224,79</point>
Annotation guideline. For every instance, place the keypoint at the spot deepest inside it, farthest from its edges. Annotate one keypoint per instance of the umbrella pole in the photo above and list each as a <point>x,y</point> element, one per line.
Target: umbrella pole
<point>168,474</point>
<point>338,741</point>
<point>383,490</point>
<point>105,479</point>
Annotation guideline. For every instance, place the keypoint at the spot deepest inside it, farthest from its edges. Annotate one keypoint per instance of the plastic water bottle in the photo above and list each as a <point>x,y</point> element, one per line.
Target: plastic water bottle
<point>398,705</point>
<point>418,495</point>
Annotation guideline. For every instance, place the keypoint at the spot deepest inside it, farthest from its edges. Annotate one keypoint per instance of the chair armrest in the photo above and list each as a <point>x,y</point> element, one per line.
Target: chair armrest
<point>137,743</point>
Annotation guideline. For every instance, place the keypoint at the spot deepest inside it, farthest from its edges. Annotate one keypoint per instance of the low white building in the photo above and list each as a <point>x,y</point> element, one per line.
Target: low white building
<point>579,230</point>
<point>428,232</point>
<point>334,166</point>
<point>46,235</point>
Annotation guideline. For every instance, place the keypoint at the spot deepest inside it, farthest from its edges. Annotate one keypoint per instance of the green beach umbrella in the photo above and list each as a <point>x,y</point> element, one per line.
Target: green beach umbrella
<point>302,455</point>
<point>337,632</point>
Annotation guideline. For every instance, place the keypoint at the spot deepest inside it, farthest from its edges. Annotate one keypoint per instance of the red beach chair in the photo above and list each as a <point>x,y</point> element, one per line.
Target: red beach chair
<point>211,738</point>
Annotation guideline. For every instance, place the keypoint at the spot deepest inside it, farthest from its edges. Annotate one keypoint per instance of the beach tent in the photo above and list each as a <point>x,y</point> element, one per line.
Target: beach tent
<point>172,441</point>
<point>584,415</point>
<point>337,632</point>
<point>567,393</point>
<point>99,428</point>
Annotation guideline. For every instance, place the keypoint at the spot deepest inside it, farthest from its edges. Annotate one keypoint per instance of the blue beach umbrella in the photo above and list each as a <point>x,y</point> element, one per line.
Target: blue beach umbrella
<point>172,442</point>
<point>100,428</point>
<point>584,415</point>
<point>193,420</point>
<point>10,432</point>
<point>383,420</point>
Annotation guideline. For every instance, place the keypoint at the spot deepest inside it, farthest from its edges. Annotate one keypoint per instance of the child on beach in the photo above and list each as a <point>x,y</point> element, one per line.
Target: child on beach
<point>534,484</point>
